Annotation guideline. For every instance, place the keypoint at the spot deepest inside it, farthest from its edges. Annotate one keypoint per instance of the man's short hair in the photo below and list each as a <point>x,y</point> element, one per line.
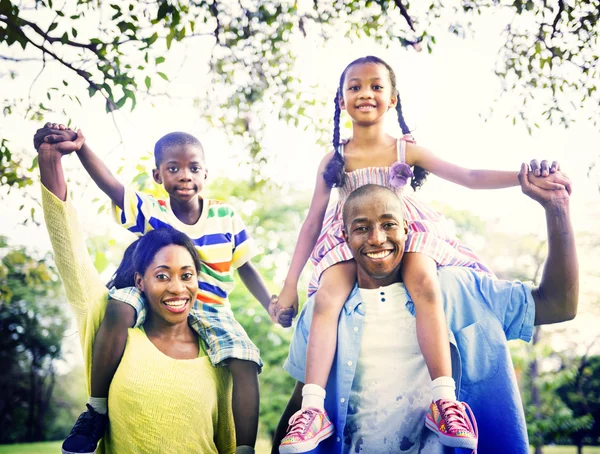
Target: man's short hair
<point>174,139</point>
<point>368,190</point>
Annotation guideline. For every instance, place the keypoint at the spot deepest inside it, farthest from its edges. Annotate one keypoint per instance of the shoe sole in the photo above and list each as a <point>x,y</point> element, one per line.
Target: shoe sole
<point>70,452</point>
<point>309,445</point>
<point>447,440</point>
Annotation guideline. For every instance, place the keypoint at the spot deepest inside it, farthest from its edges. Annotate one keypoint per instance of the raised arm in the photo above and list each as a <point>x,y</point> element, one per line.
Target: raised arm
<point>86,293</point>
<point>62,137</point>
<point>557,296</point>
<point>309,233</point>
<point>480,178</point>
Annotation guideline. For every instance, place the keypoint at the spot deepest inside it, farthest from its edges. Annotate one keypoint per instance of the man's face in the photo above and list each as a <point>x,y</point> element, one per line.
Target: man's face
<point>375,230</point>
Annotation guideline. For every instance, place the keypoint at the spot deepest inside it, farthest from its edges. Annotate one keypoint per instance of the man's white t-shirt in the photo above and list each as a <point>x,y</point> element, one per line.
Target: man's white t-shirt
<point>391,391</point>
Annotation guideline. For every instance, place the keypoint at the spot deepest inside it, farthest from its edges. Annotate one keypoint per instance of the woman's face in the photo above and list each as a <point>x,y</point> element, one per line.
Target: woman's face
<point>170,284</point>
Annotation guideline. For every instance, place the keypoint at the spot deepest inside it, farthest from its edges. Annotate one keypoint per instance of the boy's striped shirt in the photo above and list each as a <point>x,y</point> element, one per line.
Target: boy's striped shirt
<point>220,236</point>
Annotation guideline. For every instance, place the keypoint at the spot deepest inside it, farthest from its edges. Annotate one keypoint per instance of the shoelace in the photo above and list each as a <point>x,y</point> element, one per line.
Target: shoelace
<point>452,410</point>
<point>85,421</point>
<point>303,420</point>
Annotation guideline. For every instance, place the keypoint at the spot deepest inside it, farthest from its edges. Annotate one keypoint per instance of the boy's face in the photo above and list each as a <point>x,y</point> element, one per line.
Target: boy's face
<point>182,172</point>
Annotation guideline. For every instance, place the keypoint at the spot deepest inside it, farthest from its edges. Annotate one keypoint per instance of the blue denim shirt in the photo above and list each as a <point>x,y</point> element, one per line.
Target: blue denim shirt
<point>482,314</point>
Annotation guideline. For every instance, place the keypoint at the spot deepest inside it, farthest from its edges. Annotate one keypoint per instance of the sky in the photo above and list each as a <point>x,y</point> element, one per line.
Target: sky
<point>444,96</point>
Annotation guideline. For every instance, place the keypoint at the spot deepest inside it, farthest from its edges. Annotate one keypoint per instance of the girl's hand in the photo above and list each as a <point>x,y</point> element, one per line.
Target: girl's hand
<point>550,177</point>
<point>288,305</point>
<point>279,315</point>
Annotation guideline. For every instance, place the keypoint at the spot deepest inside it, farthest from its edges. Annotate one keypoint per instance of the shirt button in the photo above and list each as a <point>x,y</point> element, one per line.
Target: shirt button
<point>356,329</point>
<point>342,400</point>
<point>338,439</point>
<point>349,363</point>
<point>382,293</point>
<point>383,300</point>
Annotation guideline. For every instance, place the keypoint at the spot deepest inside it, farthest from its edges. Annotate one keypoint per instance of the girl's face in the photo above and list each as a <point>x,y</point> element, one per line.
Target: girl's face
<point>170,284</point>
<point>367,93</point>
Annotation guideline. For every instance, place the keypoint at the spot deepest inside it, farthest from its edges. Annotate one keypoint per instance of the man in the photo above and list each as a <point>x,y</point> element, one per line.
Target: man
<point>378,391</point>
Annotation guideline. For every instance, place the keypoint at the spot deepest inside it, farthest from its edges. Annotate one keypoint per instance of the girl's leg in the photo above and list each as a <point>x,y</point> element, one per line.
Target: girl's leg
<point>446,417</point>
<point>419,274</point>
<point>335,286</point>
<point>310,425</point>
<point>245,402</point>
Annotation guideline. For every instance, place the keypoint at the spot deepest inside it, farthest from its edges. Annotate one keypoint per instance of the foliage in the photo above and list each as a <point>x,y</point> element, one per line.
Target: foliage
<point>550,47</point>
<point>32,322</point>
<point>580,393</point>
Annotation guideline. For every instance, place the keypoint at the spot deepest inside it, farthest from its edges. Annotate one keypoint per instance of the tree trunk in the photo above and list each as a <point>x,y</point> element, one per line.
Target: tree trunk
<point>32,400</point>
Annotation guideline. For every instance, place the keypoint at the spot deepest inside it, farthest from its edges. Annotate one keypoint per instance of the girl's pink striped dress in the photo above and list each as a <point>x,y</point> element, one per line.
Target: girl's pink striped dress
<point>426,230</point>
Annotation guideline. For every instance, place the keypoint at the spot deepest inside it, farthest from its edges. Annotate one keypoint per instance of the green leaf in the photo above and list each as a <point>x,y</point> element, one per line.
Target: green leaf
<point>34,164</point>
<point>163,75</point>
<point>159,60</point>
<point>74,32</point>
<point>53,26</point>
<point>148,82</point>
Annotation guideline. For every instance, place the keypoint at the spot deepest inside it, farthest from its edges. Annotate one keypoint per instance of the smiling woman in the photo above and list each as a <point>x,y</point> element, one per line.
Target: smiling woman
<point>165,396</point>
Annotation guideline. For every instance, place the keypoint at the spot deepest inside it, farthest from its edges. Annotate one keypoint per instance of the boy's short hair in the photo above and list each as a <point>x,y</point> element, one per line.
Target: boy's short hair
<point>174,139</point>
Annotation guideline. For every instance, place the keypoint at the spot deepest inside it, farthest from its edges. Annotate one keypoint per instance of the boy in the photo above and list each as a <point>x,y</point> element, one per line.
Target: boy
<point>223,244</point>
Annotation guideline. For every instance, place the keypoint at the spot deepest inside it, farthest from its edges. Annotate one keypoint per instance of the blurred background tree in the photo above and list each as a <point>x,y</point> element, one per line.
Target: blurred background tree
<point>33,319</point>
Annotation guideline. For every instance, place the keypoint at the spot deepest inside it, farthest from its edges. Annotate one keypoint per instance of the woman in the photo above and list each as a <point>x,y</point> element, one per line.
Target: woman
<point>166,396</point>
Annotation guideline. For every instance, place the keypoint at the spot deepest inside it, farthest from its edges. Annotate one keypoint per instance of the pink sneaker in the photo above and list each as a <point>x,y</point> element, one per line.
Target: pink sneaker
<point>308,427</point>
<point>449,420</point>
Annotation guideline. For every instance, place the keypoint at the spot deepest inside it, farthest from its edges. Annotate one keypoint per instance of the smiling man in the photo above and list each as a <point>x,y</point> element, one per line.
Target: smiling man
<point>379,389</point>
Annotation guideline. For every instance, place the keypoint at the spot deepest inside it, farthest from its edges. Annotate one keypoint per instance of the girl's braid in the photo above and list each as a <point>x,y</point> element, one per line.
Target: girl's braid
<point>419,173</point>
<point>334,171</point>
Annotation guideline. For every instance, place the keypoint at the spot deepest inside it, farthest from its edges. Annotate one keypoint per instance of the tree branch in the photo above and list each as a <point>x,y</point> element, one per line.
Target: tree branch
<point>561,8</point>
<point>51,39</point>
<point>405,15</point>
<point>3,57</point>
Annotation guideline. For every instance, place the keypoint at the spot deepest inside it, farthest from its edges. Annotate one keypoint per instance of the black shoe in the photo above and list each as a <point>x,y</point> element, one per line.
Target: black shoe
<point>86,433</point>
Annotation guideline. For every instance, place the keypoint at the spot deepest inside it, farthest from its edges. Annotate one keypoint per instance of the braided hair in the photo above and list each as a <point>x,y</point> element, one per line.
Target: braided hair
<point>334,173</point>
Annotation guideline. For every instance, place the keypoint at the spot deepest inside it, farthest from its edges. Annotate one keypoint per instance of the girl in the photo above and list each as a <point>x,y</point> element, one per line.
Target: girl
<point>367,90</point>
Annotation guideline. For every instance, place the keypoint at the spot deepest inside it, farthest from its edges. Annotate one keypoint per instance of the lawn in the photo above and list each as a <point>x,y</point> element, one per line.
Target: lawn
<point>53,447</point>
<point>565,450</point>
<point>263,447</point>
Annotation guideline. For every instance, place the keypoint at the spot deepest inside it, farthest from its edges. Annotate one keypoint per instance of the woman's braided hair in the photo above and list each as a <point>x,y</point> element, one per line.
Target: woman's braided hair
<point>334,174</point>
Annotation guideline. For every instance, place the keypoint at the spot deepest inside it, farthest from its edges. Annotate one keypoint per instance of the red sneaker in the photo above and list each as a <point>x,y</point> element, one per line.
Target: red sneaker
<point>449,420</point>
<point>308,427</point>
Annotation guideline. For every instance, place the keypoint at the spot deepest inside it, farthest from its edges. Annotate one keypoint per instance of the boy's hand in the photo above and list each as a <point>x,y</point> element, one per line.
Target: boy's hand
<point>548,177</point>
<point>283,316</point>
<point>53,133</point>
<point>65,146</point>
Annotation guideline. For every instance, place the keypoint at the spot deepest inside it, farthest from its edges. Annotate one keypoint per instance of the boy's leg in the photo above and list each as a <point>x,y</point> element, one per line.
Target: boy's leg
<point>310,425</point>
<point>446,417</point>
<point>109,345</point>
<point>245,401</point>
<point>229,344</point>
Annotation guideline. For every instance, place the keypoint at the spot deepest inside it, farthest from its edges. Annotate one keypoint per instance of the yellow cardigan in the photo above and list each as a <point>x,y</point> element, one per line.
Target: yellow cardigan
<point>157,404</point>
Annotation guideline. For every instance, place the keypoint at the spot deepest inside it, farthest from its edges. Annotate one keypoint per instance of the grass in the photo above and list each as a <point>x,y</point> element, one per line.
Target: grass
<point>262,447</point>
<point>53,447</point>
<point>563,450</point>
